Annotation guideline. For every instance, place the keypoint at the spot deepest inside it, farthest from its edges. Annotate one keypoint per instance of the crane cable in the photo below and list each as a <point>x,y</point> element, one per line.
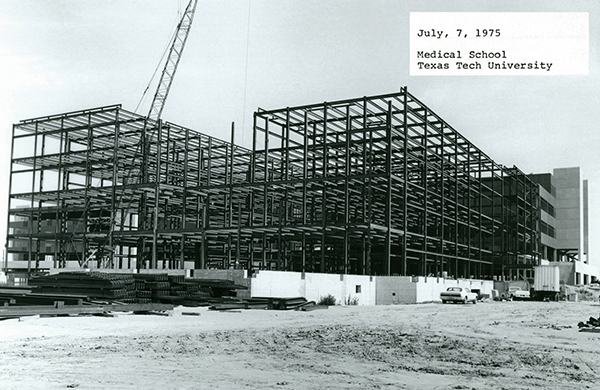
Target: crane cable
<point>246,72</point>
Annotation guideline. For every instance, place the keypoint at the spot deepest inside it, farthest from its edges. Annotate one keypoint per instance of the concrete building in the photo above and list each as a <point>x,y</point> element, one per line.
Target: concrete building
<point>564,223</point>
<point>547,191</point>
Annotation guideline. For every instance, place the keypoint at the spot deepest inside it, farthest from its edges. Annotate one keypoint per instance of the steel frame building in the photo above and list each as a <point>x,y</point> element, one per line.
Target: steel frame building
<point>377,185</point>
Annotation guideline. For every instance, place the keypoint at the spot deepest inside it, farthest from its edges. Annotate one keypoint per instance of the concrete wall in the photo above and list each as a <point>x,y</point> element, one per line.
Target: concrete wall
<point>277,284</point>
<point>374,290</point>
<point>393,290</point>
<point>503,285</point>
<point>313,286</point>
<point>566,270</point>
<point>586,272</point>
<point>402,289</point>
<point>429,289</point>
<point>576,272</point>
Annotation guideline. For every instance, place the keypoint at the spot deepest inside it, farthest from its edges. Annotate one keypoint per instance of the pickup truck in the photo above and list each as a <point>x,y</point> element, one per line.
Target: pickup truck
<point>458,294</point>
<point>515,292</point>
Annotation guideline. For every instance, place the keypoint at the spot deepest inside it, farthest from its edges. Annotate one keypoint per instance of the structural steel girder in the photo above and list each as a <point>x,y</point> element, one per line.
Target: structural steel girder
<point>377,185</point>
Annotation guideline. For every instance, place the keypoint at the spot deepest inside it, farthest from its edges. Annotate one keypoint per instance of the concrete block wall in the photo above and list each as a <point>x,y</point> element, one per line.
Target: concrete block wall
<point>313,286</point>
<point>404,289</point>
<point>320,285</point>
<point>566,271</point>
<point>361,287</point>
<point>587,272</point>
<point>429,289</point>
<point>277,284</point>
<point>393,290</point>
<point>369,290</point>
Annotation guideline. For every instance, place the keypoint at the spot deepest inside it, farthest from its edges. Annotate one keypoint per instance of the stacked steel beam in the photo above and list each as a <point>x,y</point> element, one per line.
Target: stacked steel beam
<point>97,285</point>
<point>74,288</point>
<point>269,303</point>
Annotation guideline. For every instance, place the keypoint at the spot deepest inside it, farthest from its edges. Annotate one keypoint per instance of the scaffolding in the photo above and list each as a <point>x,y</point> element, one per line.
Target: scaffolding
<point>377,185</point>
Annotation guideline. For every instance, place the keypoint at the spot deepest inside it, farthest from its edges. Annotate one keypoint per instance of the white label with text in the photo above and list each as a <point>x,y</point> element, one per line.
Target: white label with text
<point>499,43</point>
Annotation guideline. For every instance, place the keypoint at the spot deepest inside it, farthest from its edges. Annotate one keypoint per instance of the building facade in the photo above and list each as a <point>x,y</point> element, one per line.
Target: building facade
<point>564,224</point>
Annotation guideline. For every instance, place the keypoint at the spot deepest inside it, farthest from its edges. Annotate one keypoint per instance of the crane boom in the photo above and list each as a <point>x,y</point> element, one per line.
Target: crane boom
<point>168,73</point>
<point>156,108</point>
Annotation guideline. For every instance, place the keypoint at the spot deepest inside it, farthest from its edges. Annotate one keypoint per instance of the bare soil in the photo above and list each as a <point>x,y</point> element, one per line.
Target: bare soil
<point>491,345</point>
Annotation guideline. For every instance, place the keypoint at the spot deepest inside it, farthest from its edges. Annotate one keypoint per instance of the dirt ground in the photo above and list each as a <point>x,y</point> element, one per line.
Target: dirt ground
<point>491,345</point>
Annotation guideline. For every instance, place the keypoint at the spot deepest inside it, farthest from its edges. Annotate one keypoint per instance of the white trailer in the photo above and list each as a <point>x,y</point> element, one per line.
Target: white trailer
<point>546,282</point>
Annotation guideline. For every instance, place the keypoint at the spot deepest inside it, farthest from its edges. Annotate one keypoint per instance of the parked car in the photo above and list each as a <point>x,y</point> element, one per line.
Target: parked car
<point>515,292</point>
<point>458,294</point>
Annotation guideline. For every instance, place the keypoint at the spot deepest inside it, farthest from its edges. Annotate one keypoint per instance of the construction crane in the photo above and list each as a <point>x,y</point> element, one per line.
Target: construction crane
<point>158,103</point>
<point>168,73</point>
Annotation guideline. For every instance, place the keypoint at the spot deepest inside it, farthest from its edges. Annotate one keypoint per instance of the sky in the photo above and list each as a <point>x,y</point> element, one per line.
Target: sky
<point>59,56</point>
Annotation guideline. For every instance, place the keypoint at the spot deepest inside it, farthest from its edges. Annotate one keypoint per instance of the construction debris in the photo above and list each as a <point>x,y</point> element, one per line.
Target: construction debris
<point>27,299</point>
<point>312,306</point>
<point>591,325</point>
<point>269,303</point>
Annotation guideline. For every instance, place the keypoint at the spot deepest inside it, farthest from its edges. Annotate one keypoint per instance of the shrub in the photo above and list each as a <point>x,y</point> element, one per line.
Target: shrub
<point>585,294</point>
<point>327,300</point>
<point>351,301</point>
